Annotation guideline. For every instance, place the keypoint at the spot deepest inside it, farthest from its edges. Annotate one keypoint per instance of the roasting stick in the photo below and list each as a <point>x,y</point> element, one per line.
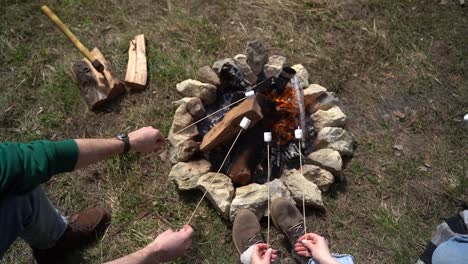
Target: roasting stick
<point>244,124</point>
<point>249,94</point>
<point>267,139</point>
<point>298,134</point>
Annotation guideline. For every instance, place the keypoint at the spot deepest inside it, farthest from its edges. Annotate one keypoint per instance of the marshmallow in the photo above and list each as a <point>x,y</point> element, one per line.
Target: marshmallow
<point>250,94</point>
<point>298,133</point>
<point>267,136</point>
<point>245,123</point>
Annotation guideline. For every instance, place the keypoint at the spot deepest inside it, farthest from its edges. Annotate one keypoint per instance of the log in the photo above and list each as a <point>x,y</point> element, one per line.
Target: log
<point>97,88</point>
<point>228,128</point>
<point>137,68</point>
<point>240,171</point>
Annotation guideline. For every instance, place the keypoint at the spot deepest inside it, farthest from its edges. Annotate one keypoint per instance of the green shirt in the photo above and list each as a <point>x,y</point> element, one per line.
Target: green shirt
<point>23,166</point>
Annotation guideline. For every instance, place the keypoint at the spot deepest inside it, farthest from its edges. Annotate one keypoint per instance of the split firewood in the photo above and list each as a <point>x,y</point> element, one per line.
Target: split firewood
<point>240,171</point>
<point>137,71</point>
<point>97,88</point>
<point>228,128</point>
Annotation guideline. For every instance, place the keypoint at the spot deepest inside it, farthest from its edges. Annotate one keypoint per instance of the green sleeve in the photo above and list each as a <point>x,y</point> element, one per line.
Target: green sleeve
<point>23,166</point>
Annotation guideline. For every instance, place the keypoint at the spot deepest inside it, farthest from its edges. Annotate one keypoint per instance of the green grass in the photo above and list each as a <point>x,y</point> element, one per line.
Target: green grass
<point>379,56</point>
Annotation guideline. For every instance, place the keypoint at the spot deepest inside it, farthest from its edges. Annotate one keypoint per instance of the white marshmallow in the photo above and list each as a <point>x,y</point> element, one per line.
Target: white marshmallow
<point>298,133</point>
<point>250,94</point>
<point>245,123</point>
<point>267,136</point>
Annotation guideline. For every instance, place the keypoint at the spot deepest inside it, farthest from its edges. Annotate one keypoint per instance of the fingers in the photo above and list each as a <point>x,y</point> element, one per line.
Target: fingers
<point>268,253</point>
<point>262,246</point>
<point>188,230</point>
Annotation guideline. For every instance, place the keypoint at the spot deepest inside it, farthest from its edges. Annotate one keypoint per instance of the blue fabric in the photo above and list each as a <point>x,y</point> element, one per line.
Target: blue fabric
<point>31,217</point>
<point>341,258</point>
<point>452,251</point>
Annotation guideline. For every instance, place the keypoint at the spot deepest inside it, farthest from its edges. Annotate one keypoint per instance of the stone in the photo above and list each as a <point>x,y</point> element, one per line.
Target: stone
<point>278,189</point>
<point>182,120</point>
<point>312,94</point>
<point>206,74</point>
<point>219,64</point>
<point>332,117</point>
<point>193,88</point>
<point>327,159</point>
<point>169,155</point>
<point>336,138</point>
<point>325,102</point>
<point>186,174</point>
<point>257,56</point>
<point>302,73</point>
<point>299,186</point>
<point>186,149</point>
<point>322,178</point>
<point>220,191</point>
<point>253,197</point>
<point>193,105</point>
<point>274,65</point>
<point>244,68</point>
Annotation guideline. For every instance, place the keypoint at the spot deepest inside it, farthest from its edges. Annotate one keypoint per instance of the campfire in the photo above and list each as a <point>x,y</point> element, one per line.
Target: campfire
<point>276,98</point>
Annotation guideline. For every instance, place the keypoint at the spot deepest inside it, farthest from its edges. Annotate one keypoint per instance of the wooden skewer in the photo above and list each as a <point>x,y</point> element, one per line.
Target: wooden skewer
<point>267,139</point>
<point>303,198</point>
<point>211,182</point>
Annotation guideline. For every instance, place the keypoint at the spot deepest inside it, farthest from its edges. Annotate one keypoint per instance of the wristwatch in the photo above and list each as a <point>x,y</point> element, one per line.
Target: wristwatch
<point>124,138</point>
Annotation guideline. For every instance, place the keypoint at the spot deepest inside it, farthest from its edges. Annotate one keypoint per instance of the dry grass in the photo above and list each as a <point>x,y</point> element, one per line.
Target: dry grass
<point>379,56</point>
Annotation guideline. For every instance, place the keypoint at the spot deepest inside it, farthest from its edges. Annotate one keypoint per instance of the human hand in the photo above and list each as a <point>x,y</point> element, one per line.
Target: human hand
<point>263,255</point>
<point>315,246</point>
<point>146,139</point>
<point>170,245</point>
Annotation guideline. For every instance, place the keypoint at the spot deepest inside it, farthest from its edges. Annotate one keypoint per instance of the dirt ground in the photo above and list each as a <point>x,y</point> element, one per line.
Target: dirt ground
<point>400,68</point>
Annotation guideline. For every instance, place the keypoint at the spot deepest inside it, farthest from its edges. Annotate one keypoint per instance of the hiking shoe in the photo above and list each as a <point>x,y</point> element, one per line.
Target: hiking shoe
<point>287,218</point>
<point>83,228</point>
<point>246,230</point>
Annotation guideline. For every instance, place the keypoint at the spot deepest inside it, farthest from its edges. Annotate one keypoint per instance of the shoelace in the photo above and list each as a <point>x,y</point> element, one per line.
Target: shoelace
<point>297,231</point>
<point>253,240</point>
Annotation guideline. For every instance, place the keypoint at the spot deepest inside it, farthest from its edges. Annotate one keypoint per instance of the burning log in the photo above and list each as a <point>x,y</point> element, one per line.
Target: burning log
<point>241,172</point>
<point>228,128</point>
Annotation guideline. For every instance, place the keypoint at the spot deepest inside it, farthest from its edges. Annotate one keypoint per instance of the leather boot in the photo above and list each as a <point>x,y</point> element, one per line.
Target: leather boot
<point>83,229</point>
<point>287,218</point>
<point>246,230</point>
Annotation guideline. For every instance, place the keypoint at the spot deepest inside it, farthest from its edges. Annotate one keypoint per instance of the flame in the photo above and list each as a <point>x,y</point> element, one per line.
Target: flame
<point>286,106</point>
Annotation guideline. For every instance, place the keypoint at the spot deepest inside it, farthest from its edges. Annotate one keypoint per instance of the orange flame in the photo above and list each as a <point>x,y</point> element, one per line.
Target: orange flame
<point>286,105</point>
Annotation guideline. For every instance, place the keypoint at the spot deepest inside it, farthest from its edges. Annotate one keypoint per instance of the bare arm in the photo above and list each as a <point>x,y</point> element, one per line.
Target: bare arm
<point>168,246</point>
<point>143,140</point>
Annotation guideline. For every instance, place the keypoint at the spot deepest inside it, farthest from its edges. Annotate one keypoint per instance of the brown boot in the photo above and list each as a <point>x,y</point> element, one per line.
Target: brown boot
<point>287,218</point>
<point>83,228</point>
<point>246,230</point>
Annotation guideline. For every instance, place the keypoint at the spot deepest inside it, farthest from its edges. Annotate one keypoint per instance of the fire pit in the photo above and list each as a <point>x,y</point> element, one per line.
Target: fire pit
<point>216,103</point>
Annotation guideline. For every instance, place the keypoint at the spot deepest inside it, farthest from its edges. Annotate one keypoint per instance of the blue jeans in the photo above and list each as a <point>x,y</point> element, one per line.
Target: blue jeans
<point>31,217</point>
<point>452,251</point>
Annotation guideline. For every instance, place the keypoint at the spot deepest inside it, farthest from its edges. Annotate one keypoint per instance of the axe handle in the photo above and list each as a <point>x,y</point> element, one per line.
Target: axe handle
<point>54,18</point>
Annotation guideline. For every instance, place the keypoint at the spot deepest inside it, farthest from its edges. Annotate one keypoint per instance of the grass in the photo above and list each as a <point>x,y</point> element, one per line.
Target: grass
<point>379,56</point>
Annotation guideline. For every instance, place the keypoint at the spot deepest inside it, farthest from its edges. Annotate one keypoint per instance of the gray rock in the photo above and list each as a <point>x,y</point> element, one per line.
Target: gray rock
<point>279,190</point>
<point>193,88</point>
<point>193,105</point>
<point>257,56</point>
<point>322,178</point>
<point>219,191</point>
<point>299,186</point>
<point>327,159</point>
<point>253,197</point>
<point>206,74</point>
<point>219,64</point>
<point>182,119</point>
<point>312,94</point>
<point>332,117</point>
<point>244,68</point>
<point>336,138</point>
<point>274,65</point>
<point>302,73</point>
<point>324,103</point>
<point>186,174</point>
<point>186,149</point>
<point>169,155</point>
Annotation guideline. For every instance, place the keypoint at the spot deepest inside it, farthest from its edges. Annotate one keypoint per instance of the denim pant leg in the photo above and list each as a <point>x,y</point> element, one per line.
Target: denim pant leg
<point>452,251</point>
<point>31,217</point>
